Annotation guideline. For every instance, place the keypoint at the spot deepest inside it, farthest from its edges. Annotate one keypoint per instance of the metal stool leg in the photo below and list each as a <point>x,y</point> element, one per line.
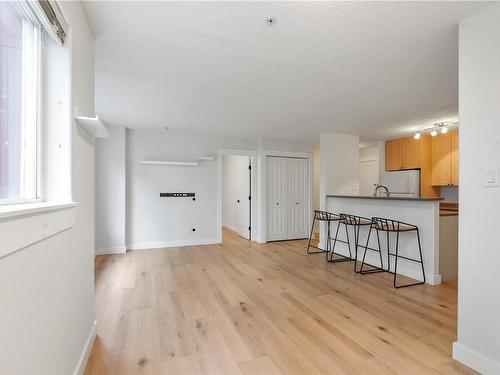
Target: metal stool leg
<point>396,263</point>
<point>332,250</point>
<point>374,269</point>
<point>310,235</point>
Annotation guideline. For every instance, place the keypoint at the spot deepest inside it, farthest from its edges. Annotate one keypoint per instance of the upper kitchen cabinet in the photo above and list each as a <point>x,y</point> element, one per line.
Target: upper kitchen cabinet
<point>401,154</point>
<point>445,159</point>
<point>411,153</point>
<point>393,155</point>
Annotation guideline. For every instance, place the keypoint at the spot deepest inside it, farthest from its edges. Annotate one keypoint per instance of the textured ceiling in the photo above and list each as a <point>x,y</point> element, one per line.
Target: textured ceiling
<point>377,69</point>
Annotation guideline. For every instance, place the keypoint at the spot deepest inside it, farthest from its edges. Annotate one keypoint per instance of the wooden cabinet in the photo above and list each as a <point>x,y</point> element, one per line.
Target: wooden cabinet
<point>401,154</point>
<point>393,155</point>
<point>410,153</point>
<point>445,159</point>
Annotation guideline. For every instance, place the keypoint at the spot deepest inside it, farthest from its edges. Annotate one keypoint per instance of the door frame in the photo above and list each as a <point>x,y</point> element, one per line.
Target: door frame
<point>263,186</point>
<point>254,191</point>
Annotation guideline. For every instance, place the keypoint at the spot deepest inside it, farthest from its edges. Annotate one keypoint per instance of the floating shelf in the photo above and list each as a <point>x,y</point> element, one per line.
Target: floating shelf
<point>157,162</point>
<point>94,126</point>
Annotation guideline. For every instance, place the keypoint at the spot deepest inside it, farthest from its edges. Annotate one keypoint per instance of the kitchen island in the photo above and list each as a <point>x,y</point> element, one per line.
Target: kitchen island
<point>422,212</point>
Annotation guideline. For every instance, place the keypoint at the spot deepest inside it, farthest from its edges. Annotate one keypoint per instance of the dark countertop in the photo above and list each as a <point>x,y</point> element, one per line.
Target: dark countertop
<point>385,198</point>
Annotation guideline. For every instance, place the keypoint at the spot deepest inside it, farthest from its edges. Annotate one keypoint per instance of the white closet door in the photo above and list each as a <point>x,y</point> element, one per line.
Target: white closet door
<point>276,171</point>
<point>298,193</point>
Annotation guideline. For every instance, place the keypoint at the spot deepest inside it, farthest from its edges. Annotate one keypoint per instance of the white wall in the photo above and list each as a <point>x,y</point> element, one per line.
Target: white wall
<point>110,192</point>
<point>315,173</point>
<point>156,222</point>
<point>47,289</point>
<point>339,165</point>
<point>231,173</point>
<point>478,342</point>
<point>369,169</point>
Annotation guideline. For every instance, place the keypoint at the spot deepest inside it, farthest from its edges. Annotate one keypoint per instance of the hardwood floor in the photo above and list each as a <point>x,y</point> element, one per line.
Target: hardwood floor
<point>241,308</point>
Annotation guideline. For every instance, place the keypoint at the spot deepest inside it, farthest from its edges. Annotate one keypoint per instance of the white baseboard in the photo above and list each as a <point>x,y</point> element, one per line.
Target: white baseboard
<point>475,360</point>
<point>159,245</point>
<point>111,250</point>
<point>82,363</point>
<point>230,227</point>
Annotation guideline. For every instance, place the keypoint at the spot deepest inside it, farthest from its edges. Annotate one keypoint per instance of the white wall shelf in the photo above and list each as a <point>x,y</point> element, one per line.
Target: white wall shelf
<point>94,126</point>
<point>181,163</point>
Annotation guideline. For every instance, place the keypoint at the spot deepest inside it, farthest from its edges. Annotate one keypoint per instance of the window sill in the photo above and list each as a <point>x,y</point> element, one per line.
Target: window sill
<point>23,225</point>
<point>24,209</point>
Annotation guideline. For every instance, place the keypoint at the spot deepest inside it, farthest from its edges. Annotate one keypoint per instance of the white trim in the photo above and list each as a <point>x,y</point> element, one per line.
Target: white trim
<point>93,125</point>
<point>111,250</point>
<point>263,174</point>
<point>22,209</point>
<point>160,162</point>
<point>84,357</point>
<point>230,227</point>
<point>256,220</point>
<point>180,243</point>
<point>475,360</point>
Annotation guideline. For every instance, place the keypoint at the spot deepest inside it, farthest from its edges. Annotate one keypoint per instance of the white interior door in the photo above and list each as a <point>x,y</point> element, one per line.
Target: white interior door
<point>298,194</point>
<point>276,197</point>
<point>368,176</point>
<point>244,197</point>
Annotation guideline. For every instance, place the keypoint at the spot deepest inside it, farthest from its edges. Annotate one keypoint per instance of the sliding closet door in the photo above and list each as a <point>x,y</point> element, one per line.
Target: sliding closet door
<point>276,198</point>
<point>298,194</point>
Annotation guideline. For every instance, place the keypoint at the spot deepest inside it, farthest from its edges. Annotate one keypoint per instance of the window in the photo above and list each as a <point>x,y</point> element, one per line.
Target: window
<point>20,133</point>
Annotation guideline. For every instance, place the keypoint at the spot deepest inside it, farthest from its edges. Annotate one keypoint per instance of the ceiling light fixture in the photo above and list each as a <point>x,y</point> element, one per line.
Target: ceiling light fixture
<point>438,127</point>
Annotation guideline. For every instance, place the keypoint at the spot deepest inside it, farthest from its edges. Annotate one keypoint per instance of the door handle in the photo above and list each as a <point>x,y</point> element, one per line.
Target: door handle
<point>297,203</point>
<point>238,201</point>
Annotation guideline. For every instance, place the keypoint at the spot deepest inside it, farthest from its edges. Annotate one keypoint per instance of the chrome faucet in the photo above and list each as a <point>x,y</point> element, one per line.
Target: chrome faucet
<point>378,186</point>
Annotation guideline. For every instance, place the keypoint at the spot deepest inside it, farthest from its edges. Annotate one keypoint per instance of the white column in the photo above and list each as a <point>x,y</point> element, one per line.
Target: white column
<point>338,167</point>
<point>478,343</point>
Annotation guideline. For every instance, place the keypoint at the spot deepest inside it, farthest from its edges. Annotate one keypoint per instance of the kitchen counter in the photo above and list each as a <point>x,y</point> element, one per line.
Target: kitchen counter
<point>386,198</point>
<point>422,212</point>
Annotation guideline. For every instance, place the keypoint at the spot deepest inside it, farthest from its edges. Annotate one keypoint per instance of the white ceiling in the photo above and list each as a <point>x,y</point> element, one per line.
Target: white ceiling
<point>377,69</point>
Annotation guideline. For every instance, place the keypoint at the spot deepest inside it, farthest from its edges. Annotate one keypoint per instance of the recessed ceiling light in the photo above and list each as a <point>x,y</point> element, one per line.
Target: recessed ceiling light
<point>270,21</point>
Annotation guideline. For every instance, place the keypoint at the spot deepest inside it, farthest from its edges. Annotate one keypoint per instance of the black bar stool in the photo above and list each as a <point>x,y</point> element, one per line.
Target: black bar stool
<point>393,226</point>
<point>340,258</point>
<point>356,222</point>
<point>322,216</point>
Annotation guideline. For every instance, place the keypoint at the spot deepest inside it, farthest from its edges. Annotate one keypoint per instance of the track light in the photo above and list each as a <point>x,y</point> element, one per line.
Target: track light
<point>438,127</point>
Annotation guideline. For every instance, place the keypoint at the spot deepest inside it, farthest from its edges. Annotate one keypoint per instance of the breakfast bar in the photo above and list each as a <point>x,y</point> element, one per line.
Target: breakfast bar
<point>422,212</point>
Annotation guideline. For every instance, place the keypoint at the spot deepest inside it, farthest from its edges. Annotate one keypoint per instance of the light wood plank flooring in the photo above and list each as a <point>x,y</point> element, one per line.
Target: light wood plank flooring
<point>241,308</point>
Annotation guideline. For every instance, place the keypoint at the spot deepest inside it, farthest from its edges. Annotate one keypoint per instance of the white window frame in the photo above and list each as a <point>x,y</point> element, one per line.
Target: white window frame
<point>35,84</point>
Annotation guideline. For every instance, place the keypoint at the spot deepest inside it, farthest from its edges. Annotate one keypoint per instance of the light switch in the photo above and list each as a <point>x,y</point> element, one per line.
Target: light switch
<point>491,178</point>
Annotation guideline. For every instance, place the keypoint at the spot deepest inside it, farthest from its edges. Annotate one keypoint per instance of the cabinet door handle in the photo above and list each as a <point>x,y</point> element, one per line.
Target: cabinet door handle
<point>238,201</point>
